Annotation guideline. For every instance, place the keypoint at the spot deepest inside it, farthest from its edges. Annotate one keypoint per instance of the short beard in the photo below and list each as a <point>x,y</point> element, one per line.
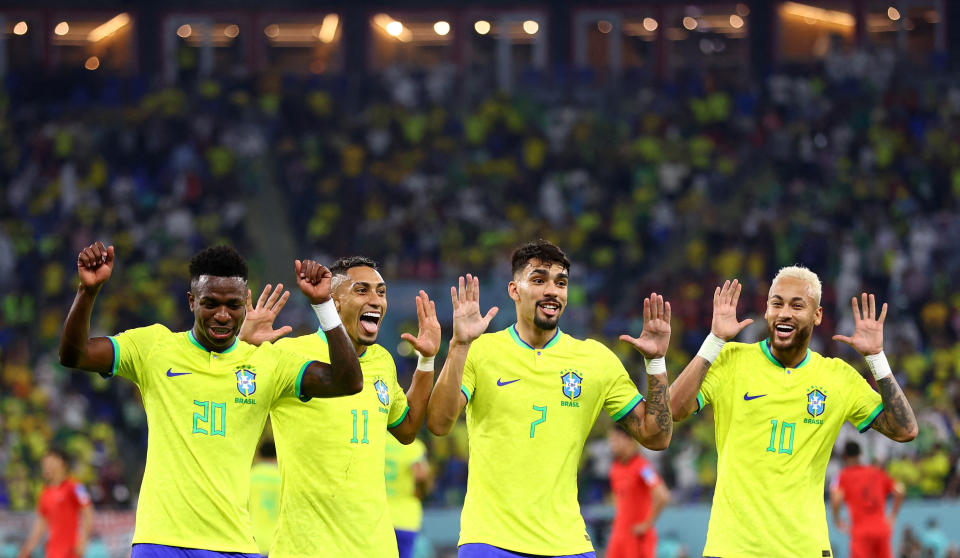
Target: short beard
<point>800,339</point>
<point>545,323</point>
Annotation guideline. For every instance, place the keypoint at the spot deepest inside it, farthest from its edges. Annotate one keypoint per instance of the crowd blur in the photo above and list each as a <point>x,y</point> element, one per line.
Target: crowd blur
<point>670,187</point>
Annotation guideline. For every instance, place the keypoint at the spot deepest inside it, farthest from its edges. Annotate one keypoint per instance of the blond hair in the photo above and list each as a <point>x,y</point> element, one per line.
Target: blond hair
<point>805,275</point>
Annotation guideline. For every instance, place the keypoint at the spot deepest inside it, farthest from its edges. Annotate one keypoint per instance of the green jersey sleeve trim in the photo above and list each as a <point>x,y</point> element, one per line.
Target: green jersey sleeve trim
<point>399,420</point>
<point>700,403</point>
<point>765,347</point>
<point>116,354</point>
<point>628,407</point>
<point>466,392</point>
<point>322,335</point>
<point>299,385</point>
<point>867,422</point>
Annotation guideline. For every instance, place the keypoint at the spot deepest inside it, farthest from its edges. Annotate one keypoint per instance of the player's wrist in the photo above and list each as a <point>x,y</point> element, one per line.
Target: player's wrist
<point>327,315</point>
<point>879,365</point>
<point>711,347</point>
<point>654,366</point>
<point>425,363</point>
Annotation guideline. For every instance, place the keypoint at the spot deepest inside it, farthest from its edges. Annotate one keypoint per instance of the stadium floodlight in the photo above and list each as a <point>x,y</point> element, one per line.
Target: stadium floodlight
<point>108,28</point>
<point>328,29</point>
<point>482,26</point>
<point>62,28</point>
<point>231,30</point>
<point>650,24</point>
<point>689,23</point>
<point>394,28</point>
<point>184,31</point>
<point>20,28</point>
<point>92,63</point>
<point>893,14</point>
<point>530,27</point>
<point>819,14</point>
<point>736,21</point>
<point>441,28</point>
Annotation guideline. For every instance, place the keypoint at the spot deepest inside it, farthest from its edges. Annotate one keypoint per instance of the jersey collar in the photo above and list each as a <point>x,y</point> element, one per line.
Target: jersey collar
<point>202,348</point>
<point>765,347</point>
<point>323,336</point>
<point>516,338</point>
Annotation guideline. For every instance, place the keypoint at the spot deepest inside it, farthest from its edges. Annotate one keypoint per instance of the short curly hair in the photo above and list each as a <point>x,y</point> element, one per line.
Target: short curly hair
<point>218,261</point>
<point>542,250</point>
<point>341,266</point>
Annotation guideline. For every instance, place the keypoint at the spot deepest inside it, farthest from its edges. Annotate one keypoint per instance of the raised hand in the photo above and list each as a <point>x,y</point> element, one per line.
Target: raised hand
<point>655,337</point>
<point>867,328</point>
<point>468,323</point>
<point>725,298</point>
<point>314,280</point>
<point>95,265</point>
<point>427,341</point>
<point>258,324</point>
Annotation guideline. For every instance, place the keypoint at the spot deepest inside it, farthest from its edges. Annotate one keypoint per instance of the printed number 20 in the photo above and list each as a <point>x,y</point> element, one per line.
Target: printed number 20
<point>543,417</point>
<point>784,426</point>
<point>214,415</point>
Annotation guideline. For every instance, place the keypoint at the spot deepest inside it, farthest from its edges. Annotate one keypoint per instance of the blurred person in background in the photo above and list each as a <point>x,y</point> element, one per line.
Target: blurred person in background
<point>865,489</point>
<point>409,480</point>
<point>265,495</point>
<point>640,495</point>
<point>64,510</point>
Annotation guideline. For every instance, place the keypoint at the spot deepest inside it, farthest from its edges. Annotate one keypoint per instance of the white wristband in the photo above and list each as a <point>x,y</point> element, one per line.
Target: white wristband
<point>425,364</point>
<point>711,348</point>
<point>327,314</point>
<point>655,366</point>
<point>879,366</point>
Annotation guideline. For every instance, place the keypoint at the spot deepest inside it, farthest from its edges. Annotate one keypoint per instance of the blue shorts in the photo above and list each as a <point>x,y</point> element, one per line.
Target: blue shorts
<point>480,550</point>
<point>405,542</point>
<point>147,550</point>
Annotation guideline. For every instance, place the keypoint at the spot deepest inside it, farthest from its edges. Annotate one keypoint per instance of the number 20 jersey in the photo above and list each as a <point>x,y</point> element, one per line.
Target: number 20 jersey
<point>528,415</point>
<point>775,428</point>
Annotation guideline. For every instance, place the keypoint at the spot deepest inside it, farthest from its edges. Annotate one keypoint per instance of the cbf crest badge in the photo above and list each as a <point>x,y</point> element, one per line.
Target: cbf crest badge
<point>571,384</point>
<point>246,382</point>
<point>816,402</point>
<point>383,394</point>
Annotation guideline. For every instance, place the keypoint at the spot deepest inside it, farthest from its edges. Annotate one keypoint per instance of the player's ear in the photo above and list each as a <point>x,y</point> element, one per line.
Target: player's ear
<point>818,316</point>
<point>513,291</point>
<point>191,301</point>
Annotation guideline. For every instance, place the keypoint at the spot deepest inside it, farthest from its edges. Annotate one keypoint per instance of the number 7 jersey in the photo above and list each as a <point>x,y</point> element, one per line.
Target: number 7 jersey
<point>528,415</point>
<point>775,428</point>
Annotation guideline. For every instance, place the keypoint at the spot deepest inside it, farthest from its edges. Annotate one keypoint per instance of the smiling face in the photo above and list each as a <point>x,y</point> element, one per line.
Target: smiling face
<point>219,306</point>
<point>540,293</point>
<point>791,315</point>
<point>361,298</point>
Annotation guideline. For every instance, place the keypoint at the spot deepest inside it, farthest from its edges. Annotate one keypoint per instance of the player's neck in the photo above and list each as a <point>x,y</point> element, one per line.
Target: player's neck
<point>359,347</point>
<point>789,358</point>
<point>533,335</point>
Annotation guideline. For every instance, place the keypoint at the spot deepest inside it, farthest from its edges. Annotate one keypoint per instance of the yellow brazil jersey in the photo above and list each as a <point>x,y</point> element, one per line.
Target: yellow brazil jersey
<point>205,413</point>
<point>264,503</point>
<point>528,415</point>
<point>775,428</point>
<point>333,499</point>
<point>405,508</point>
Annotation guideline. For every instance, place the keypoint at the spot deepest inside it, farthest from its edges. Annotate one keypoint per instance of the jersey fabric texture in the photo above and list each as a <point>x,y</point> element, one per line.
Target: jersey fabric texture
<point>60,507</point>
<point>528,414</point>
<point>865,491</point>
<point>480,550</point>
<point>632,486</point>
<point>333,498</point>
<point>405,508</point>
<point>205,413</point>
<point>146,550</point>
<point>264,503</point>
<point>775,428</point>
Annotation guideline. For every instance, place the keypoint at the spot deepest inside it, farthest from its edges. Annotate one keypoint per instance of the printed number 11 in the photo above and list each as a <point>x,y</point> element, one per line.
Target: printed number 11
<point>365,417</point>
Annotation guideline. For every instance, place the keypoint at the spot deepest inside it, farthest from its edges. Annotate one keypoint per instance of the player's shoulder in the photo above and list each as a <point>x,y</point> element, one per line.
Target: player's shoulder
<point>155,331</point>
<point>378,355</point>
<point>838,367</point>
<point>492,343</point>
<point>316,340</point>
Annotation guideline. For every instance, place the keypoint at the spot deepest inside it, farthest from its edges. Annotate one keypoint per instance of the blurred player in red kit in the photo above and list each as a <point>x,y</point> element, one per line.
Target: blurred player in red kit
<point>865,489</point>
<point>640,496</point>
<point>64,510</point>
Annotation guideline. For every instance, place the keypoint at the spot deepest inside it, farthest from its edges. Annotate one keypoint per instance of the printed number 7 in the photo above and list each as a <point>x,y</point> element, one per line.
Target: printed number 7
<point>543,417</point>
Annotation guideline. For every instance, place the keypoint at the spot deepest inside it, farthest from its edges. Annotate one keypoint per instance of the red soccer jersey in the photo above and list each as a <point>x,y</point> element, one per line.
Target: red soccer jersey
<point>60,507</point>
<point>865,490</point>
<point>632,484</point>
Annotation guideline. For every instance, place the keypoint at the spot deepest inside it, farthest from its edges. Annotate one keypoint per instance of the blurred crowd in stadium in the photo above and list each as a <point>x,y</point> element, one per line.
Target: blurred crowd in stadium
<point>671,187</point>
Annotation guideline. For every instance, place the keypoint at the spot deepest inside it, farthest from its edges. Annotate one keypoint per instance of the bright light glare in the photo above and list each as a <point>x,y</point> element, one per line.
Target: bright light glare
<point>441,28</point>
<point>604,26</point>
<point>328,29</point>
<point>531,27</point>
<point>482,27</point>
<point>893,13</point>
<point>394,28</point>
<point>650,24</point>
<point>20,28</point>
<point>736,21</point>
<point>62,28</point>
<point>231,30</point>
<point>112,25</point>
<point>92,63</point>
<point>184,31</point>
<point>689,23</point>
<point>272,30</point>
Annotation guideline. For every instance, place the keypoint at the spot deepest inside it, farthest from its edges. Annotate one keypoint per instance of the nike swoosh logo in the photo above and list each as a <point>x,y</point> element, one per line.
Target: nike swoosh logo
<point>171,374</point>
<point>747,397</point>
<point>500,382</point>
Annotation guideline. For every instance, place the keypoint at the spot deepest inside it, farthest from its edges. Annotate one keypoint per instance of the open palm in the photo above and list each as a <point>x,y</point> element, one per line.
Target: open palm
<point>725,324</point>
<point>257,326</point>
<point>427,341</point>
<point>468,322</point>
<point>867,336</point>
<point>655,337</point>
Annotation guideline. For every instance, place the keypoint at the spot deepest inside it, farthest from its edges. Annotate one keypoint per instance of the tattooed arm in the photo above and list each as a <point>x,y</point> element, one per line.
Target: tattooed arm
<point>896,421</point>
<point>650,422</point>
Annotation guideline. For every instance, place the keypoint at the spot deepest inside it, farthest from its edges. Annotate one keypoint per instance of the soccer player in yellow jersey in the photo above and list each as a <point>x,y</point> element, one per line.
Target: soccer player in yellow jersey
<point>206,396</point>
<point>532,394</point>
<point>333,499</point>
<point>778,408</point>
<point>408,482</point>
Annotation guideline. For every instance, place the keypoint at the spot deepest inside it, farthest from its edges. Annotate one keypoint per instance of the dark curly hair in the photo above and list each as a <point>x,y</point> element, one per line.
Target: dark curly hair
<point>541,250</point>
<point>218,261</point>
<point>341,266</point>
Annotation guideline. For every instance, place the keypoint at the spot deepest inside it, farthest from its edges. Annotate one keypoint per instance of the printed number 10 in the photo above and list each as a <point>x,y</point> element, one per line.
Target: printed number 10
<point>784,426</point>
